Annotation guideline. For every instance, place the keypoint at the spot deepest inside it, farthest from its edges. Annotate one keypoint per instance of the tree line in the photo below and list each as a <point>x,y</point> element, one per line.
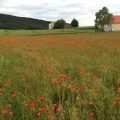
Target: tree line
<point>103,17</point>
<point>60,24</point>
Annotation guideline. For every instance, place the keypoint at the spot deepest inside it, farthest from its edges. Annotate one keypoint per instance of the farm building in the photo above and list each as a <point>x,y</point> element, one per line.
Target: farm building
<point>116,23</point>
<point>15,22</point>
<point>52,24</point>
<point>115,26</point>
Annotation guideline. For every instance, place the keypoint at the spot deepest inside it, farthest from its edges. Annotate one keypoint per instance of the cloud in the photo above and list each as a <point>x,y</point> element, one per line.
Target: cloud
<point>52,10</point>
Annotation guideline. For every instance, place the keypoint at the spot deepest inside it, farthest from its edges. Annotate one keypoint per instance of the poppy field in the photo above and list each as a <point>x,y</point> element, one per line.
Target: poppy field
<point>60,77</point>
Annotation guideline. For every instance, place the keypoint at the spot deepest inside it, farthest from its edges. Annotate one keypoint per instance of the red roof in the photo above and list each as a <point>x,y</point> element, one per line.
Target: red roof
<point>116,19</point>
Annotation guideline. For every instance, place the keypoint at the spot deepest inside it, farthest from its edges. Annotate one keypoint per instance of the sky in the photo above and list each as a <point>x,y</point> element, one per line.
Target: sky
<point>51,10</point>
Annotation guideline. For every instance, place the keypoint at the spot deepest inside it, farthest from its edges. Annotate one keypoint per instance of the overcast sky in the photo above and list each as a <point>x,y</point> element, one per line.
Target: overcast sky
<point>83,10</point>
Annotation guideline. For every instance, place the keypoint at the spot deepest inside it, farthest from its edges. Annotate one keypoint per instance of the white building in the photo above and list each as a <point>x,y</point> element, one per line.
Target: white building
<point>115,26</point>
<point>107,28</point>
<point>116,23</point>
<point>51,25</point>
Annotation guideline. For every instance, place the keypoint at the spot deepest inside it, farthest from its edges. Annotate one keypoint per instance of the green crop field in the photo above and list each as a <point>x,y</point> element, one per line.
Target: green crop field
<point>59,77</point>
<point>46,32</point>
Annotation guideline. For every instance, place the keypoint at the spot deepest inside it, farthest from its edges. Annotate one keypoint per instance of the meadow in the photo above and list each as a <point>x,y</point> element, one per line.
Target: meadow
<point>46,32</point>
<point>59,77</point>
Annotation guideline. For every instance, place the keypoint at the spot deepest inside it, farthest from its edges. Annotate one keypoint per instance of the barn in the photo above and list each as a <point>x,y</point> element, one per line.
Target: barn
<point>116,23</point>
<point>52,24</point>
<point>114,26</point>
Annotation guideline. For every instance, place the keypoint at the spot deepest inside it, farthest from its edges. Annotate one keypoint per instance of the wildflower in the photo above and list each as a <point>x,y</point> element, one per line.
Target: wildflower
<point>6,111</point>
<point>41,98</point>
<point>95,78</point>
<point>63,77</point>
<point>71,87</point>
<point>118,90</point>
<point>81,89</point>
<point>50,116</point>
<point>90,115</point>
<point>56,108</point>
<point>50,70</point>
<point>7,83</point>
<point>76,88</point>
<point>91,103</point>
<point>13,94</point>
<point>1,91</point>
<point>82,71</point>
<point>31,105</point>
<point>116,101</point>
<point>56,82</point>
<point>95,93</point>
<point>43,109</point>
<point>38,114</point>
<point>25,104</point>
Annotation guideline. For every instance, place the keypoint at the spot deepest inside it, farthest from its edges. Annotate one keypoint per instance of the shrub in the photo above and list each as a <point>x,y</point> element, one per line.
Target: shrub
<point>74,23</point>
<point>59,24</point>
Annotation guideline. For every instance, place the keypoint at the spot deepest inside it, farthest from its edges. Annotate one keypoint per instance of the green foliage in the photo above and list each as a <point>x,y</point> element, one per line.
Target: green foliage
<point>59,24</point>
<point>74,23</point>
<point>103,17</point>
<point>46,32</point>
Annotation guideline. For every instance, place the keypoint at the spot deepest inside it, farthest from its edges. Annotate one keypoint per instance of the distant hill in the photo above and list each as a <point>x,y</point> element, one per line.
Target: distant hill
<point>14,22</point>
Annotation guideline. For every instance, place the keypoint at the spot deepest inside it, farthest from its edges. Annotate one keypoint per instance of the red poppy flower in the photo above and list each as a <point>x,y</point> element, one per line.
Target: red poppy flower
<point>13,94</point>
<point>41,98</point>
<point>118,90</point>
<point>32,105</point>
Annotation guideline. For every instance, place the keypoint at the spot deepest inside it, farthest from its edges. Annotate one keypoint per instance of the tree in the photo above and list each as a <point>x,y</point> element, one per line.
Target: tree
<point>59,24</point>
<point>103,17</point>
<point>74,23</point>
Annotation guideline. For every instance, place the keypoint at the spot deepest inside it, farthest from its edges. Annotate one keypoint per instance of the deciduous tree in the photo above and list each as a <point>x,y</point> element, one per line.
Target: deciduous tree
<point>74,23</point>
<point>59,24</point>
<point>103,17</point>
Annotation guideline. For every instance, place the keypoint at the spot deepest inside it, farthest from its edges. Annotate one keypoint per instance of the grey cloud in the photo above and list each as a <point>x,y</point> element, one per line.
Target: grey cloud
<point>83,10</point>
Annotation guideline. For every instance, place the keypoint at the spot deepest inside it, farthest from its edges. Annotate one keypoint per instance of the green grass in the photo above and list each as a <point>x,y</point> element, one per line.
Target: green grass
<point>86,88</point>
<point>45,32</point>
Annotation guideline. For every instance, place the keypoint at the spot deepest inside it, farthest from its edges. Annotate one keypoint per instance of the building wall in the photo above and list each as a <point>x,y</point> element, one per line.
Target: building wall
<point>51,25</point>
<point>115,27</point>
<point>107,28</point>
